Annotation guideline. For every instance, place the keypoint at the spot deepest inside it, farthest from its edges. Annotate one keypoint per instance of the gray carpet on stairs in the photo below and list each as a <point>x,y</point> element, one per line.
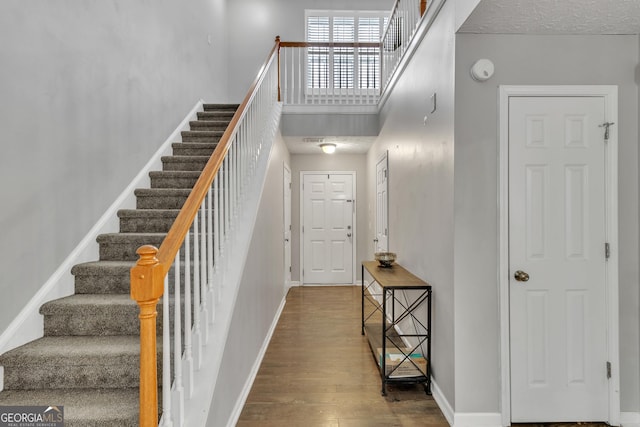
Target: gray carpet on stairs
<point>88,359</point>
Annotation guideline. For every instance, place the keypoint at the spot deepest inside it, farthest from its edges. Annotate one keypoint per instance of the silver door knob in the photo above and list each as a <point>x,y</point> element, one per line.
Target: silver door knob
<point>521,276</point>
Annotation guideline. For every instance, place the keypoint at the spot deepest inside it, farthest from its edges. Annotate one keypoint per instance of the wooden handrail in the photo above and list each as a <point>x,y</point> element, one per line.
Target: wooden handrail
<point>423,7</point>
<point>330,44</point>
<point>172,243</point>
<point>147,276</point>
<point>396,4</point>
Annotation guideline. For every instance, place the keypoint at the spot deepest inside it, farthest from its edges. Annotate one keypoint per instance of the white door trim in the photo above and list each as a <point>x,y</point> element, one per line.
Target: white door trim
<point>384,157</point>
<point>287,284</point>
<point>610,95</point>
<point>354,213</point>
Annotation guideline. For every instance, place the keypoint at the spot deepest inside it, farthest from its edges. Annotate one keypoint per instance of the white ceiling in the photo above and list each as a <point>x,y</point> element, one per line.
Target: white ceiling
<point>554,17</point>
<point>344,144</point>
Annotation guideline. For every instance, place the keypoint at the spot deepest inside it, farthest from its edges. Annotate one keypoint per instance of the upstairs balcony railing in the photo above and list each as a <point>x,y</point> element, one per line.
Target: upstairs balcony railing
<point>347,73</point>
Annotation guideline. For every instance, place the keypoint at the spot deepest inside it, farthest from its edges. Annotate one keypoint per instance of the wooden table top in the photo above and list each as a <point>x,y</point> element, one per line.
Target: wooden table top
<point>394,277</point>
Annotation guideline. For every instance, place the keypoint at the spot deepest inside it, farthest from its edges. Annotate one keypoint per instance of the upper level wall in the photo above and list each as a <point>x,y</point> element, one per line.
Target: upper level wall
<point>254,24</point>
<point>88,92</point>
<point>421,180</point>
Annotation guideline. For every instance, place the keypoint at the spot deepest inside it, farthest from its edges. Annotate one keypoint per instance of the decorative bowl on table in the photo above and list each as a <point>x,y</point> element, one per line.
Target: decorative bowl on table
<point>385,259</point>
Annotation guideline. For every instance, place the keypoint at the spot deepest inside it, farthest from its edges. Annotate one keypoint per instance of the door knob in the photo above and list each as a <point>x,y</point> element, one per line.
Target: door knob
<point>521,276</point>
<point>286,240</point>
<point>375,240</point>
<point>348,234</point>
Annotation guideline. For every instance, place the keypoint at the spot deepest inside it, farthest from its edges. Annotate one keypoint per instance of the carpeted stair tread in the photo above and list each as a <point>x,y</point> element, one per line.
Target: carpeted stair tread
<point>216,114</point>
<point>184,163</point>
<point>91,314</point>
<point>70,350</point>
<point>209,125</point>
<point>96,315</point>
<point>201,135</point>
<point>61,305</point>
<point>106,277</point>
<point>123,246</point>
<point>193,148</point>
<point>147,220</point>
<point>161,198</point>
<point>214,107</point>
<point>83,407</point>
<point>173,179</point>
<point>74,362</point>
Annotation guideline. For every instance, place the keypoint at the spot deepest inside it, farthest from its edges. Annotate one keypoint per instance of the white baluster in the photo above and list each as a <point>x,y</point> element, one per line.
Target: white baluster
<point>204,323</point>
<point>210,294</point>
<point>188,334</point>
<point>178,388</point>
<point>197,333</point>
<point>166,357</point>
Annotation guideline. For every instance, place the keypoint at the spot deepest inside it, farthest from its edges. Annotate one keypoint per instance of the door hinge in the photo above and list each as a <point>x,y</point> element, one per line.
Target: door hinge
<point>385,173</point>
<point>289,269</point>
<point>606,130</point>
<point>608,369</point>
<point>303,228</point>
<point>607,251</point>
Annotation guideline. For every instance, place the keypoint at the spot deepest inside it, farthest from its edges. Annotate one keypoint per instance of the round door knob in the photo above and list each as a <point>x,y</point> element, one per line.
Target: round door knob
<point>521,276</point>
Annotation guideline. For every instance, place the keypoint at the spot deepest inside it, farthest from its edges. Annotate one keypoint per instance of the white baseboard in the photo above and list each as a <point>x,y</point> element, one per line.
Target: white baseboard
<point>28,325</point>
<point>442,402</point>
<point>242,399</point>
<point>630,419</point>
<point>477,419</point>
<point>295,284</point>
<point>463,419</point>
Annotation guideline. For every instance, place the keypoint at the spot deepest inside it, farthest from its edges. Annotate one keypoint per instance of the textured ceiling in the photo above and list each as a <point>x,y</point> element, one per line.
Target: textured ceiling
<point>554,17</point>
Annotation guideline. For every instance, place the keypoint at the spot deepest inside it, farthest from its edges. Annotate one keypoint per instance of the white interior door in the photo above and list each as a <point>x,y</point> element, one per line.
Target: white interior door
<point>557,232</point>
<point>382,206</point>
<point>287,227</point>
<point>327,228</point>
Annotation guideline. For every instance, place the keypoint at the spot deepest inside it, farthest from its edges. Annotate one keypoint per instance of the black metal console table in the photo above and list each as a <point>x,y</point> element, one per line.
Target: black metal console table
<point>400,354</point>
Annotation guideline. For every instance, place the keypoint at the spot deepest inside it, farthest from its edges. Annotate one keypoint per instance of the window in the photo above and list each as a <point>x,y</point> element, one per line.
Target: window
<point>344,67</point>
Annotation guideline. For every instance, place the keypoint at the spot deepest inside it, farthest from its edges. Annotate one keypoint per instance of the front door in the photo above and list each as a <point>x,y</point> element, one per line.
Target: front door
<point>557,235</point>
<point>327,228</point>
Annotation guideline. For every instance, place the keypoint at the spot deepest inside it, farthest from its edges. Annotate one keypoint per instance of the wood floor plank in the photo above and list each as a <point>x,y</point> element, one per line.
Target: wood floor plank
<point>319,371</point>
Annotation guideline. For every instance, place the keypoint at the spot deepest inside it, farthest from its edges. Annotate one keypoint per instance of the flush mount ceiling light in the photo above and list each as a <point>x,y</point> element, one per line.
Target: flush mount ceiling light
<point>328,148</point>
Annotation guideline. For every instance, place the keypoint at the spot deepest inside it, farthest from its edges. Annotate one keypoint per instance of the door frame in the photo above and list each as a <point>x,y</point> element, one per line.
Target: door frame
<point>384,157</point>
<point>353,213</point>
<point>285,169</point>
<point>610,95</point>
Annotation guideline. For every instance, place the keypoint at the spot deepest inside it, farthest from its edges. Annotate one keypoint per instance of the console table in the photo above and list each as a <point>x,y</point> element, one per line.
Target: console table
<point>387,313</point>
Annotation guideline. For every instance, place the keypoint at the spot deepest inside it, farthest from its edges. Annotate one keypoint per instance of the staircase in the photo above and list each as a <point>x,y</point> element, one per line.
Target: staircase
<point>88,359</point>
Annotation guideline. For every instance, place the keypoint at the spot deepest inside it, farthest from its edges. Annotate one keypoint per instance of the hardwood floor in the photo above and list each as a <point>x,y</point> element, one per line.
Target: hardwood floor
<point>318,371</point>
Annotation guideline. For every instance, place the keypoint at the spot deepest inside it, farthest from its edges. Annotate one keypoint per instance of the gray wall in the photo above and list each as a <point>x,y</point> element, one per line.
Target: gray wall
<point>88,91</point>
<point>530,60</point>
<point>421,181</point>
<point>254,24</point>
<point>335,163</point>
<point>260,294</point>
